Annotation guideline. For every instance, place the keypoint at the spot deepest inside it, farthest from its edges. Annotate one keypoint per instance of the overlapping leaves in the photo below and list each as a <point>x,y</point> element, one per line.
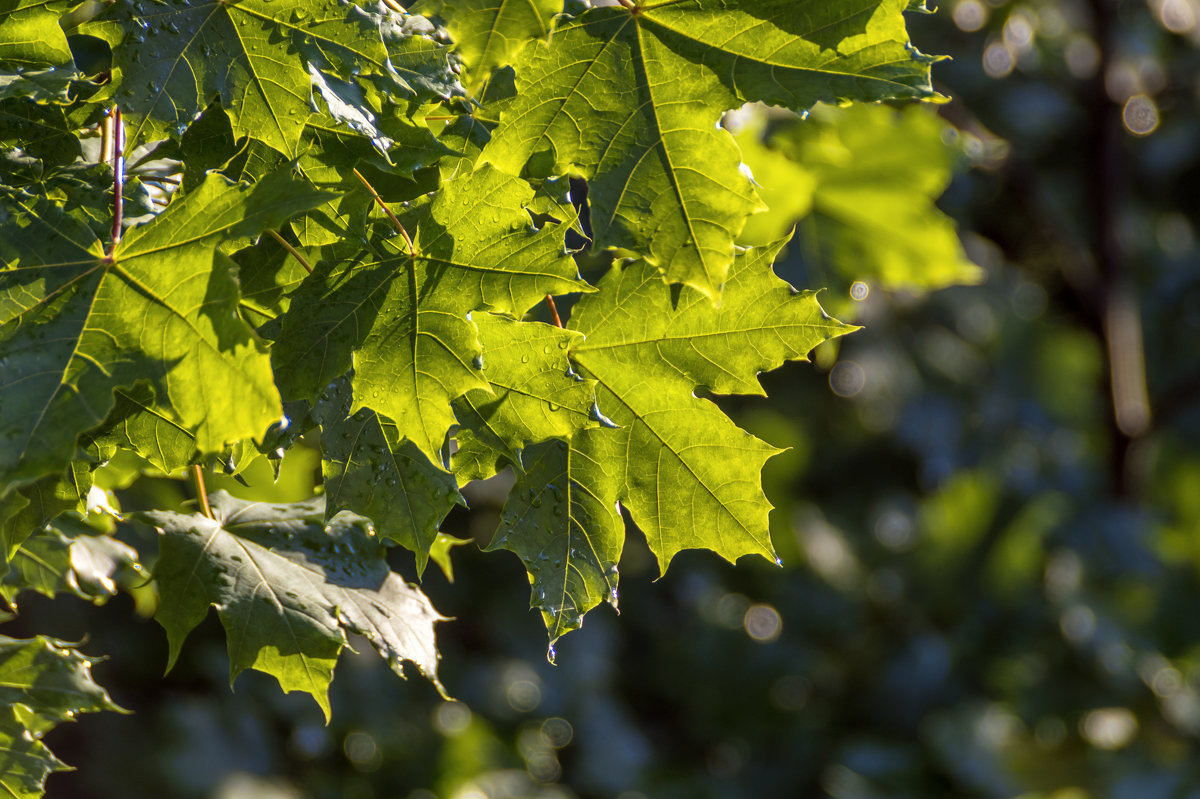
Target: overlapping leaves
<point>267,62</point>
<point>629,100</point>
<point>35,58</point>
<point>397,340</point>
<point>161,308</point>
<point>864,180</point>
<point>404,320</point>
<point>687,474</point>
<point>43,682</point>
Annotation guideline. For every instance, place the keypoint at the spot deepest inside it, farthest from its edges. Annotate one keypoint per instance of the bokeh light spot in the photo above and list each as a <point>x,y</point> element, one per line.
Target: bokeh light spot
<point>524,695</point>
<point>557,732</point>
<point>970,15</point>
<point>762,623</point>
<point>1109,727</point>
<point>1140,115</point>
<point>847,378</point>
<point>361,750</point>
<point>451,718</point>
<point>998,62</point>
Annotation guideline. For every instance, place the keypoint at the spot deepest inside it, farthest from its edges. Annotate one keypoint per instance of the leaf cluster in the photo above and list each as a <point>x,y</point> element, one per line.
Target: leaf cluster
<point>229,229</point>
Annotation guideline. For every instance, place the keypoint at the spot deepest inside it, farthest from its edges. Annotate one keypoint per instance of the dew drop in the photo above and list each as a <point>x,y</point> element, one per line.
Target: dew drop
<point>597,416</point>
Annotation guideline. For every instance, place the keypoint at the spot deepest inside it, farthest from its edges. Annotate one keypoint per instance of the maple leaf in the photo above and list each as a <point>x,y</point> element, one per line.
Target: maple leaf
<point>533,395</point>
<point>561,519</point>
<point>71,555</point>
<point>77,323</point>
<point>263,60</point>
<point>630,101</point>
<point>490,32</point>
<point>689,477</point>
<point>35,59</point>
<point>403,322</point>
<point>28,508</point>
<point>864,178</point>
<point>43,682</point>
<point>369,468</point>
<point>286,592</point>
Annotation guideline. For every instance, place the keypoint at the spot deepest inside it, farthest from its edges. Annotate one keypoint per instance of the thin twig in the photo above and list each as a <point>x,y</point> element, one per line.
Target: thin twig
<point>106,129</point>
<point>201,491</point>
<point>554,311</point>
<point>284,243</point>
<point>394,6</point>
<point>118,142</point>
<point>412,251</point>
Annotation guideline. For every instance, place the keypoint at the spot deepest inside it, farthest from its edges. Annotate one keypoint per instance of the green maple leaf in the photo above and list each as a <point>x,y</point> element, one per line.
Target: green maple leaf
<point>264,60</point>
<point>43,682</point>
<point>70,555</point>
<point>370,469</point>
<point>490,32</point>
<point>533,394</point>
<point>687,474</point>
<point>403,322</point>
<point>330,157</point>
<point>629,100</point>
<point>76,324</point>
<point>561,520</point>
<point>30,130</point>
<point>864,180</point>
<point>136,423</point>
<point>689,477</point>
<point>35,59</point>
<point>25,762</point>
<point>28,508</point>
<point>288,586</point>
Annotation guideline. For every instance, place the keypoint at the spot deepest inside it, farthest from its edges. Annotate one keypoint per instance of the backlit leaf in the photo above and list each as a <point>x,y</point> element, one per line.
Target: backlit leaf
<point>263,60</point>
<point>35,59</point>
<point>562,520</point>
<point>490,32</point>
<point>689,476</point>
<point>78,324</point>
<point>864,180</point>
<point>629,100</point>
<point>534,394</point>
<point>404,323</point>
<point>369,468</point>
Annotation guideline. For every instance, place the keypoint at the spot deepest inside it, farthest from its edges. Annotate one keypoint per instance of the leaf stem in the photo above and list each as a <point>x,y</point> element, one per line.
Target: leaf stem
<point>118,147</point>
<point>106,138</point>
<point>412,251</point>
<point>394,6</point>
<point>554,311</point>
<point>284,243</point>
<point>201,491</point>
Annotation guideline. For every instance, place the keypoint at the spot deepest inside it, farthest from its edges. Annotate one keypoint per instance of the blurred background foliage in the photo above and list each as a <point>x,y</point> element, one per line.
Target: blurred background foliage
<point>989,514</point>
